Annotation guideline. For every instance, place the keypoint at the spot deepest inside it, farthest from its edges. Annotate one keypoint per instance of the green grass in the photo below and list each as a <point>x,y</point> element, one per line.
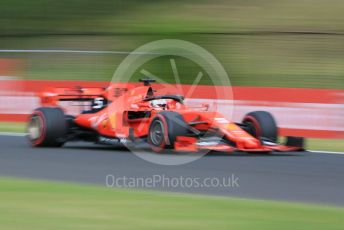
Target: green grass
<point>326,144</point>
<point>312,61</point>
<point>167,16</point>
<point>14,127</point>
<point>26,204</point>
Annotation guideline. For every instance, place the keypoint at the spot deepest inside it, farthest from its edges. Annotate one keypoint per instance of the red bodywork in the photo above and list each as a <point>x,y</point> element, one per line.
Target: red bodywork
<point>122,117</point>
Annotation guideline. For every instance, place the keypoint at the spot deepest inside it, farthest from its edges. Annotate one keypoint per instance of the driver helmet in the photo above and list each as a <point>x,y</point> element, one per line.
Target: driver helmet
<point>159,103</point>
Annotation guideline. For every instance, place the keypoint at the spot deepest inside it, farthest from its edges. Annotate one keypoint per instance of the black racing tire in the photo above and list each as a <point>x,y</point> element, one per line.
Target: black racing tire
<point>47,127</point>
<point>261,125</point>
<point>164,129</point>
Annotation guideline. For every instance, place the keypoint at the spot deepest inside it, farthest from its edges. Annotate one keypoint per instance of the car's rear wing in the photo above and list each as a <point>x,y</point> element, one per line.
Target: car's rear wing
<point>52,96</point>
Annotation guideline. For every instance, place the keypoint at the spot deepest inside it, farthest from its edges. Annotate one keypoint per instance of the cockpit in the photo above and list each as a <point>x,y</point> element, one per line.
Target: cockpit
<point>165,101</point>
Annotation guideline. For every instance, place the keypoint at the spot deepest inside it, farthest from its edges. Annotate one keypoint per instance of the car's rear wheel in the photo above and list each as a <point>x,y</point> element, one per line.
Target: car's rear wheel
<point>47,127</point>
<point>164,129</point>
<point>261,125</point>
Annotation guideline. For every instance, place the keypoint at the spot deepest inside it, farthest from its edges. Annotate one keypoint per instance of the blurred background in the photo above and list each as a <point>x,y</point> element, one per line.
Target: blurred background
<point>260,43</point>
<point>296,43</point>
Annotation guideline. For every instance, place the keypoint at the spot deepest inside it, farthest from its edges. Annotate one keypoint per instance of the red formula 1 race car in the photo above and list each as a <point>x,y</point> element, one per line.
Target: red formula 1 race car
<point>128,116</point>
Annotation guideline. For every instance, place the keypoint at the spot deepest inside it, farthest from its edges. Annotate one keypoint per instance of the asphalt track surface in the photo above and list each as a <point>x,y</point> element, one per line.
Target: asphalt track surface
<point>293,176</point>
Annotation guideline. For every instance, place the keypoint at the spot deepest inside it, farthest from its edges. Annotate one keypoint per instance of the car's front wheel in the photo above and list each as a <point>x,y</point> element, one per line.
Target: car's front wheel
<point>261,125</point>
<point>164,130</point>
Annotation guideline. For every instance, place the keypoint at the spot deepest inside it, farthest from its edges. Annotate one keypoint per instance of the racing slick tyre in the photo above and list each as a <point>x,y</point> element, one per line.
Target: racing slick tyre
<point>164,129</point>
<point>261,125</point>
<point>47,127</point>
